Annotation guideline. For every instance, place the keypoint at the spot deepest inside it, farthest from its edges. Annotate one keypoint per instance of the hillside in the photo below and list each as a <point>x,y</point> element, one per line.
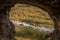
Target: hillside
<point>30,14</point>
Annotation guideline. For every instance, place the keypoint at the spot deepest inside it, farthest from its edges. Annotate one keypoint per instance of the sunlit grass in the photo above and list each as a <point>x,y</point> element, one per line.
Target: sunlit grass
<point>31,14</point>
<point>33,34</point>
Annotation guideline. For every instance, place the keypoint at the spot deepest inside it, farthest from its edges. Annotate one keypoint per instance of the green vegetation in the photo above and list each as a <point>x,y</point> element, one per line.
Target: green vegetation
<point>33,16</point>
<point>35,34</point>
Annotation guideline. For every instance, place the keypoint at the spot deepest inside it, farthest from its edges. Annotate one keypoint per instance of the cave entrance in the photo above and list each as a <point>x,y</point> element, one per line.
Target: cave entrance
<point>36,19</point>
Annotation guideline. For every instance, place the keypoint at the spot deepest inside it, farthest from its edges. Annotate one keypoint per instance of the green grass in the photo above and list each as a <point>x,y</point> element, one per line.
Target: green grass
<point>35,34</point>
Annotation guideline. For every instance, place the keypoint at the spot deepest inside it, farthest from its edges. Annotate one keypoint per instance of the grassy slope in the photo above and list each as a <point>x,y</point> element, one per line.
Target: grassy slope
<point>28,33</point>
<point>30,14</point>
<point>19,28</point>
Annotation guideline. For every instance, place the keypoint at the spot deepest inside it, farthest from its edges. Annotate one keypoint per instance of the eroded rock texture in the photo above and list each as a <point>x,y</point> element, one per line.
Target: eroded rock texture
<point>7,29</point>
<point>51,6</point>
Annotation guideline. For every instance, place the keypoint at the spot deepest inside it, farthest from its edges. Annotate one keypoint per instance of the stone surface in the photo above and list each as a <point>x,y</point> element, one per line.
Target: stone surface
<point>7,29</point>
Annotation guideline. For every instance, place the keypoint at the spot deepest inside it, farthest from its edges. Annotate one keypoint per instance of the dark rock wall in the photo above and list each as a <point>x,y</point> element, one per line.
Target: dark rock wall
<point>7,29</point>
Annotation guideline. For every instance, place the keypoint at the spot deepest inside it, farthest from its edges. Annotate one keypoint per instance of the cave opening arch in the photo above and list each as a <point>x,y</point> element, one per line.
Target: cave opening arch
<point>53,12</point>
